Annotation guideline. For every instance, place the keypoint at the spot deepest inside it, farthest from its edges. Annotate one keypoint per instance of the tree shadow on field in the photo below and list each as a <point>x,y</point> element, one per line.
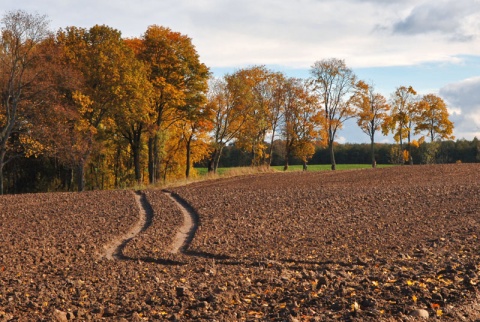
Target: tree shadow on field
<point>203,254</point>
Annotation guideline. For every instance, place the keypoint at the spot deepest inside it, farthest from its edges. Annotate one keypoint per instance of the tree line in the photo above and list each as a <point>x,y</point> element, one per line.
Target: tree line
<point>88,109</point>
<point>447,151</point>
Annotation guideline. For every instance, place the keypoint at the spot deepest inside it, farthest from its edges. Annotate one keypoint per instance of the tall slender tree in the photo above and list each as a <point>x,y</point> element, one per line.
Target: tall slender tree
<point>225,98</point>
<point>402,116</point>
<point>333,82</point>
<point>262,112</point>
<point>372,111</point>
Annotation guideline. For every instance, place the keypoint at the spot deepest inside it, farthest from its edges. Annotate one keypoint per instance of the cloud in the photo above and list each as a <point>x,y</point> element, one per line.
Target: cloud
<point>292,34</point>
<point>456,19</point>
<point>463,98</point>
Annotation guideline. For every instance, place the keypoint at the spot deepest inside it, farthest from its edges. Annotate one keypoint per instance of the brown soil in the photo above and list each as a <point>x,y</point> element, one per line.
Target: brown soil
<point>366,245</point>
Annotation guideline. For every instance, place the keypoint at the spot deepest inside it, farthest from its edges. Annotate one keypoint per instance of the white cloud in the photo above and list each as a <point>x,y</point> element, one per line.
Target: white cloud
<point>289,33</point>
<point>455,19</point>
<point>464,101</point>
<point>341,139</point>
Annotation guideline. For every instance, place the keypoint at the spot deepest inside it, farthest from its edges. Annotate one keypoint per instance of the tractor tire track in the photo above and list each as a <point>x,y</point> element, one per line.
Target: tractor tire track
<point>114,249</point>
<point>186,232</point>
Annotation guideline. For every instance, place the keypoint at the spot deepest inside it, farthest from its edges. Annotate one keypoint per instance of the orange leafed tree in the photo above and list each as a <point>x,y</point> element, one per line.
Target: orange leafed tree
<point>301,117</point>
<point>433,118</point>
<point>226,97</point>
<point>402,116</point>
<point>259,85</point>
<point>194,125</point>
<point>179,83</point>
<point>372,111</point>
<point>106,63</point>
<point>54,119</point>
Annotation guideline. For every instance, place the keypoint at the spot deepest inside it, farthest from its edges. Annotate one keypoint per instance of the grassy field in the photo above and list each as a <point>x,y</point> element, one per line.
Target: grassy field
<point>312,167</point>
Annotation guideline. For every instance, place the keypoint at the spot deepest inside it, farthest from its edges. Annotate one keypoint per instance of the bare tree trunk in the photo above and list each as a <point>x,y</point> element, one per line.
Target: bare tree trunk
<point>69,178</point>
<point>288,152</point>
<point>136,147</point>
<point>1,176</point>
<point>151,160</point>
<point>332,156</point>
<point>270,150</point>
<point>81,176</point>
<point>189,152</point>
<point>409,146</point>
<point>285,165</point>
<point>217,160</point>
<point>372,151</point>
<point>136,164</point>
<point>211,161</point>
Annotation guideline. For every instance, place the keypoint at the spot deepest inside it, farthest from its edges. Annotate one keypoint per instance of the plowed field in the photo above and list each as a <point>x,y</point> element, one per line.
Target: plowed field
<point>364,245</point>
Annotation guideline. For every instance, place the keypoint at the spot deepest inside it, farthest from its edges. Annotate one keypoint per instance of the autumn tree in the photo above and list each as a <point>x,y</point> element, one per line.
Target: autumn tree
<point>20,35</point>
<point>179,82</point>
<point>372,111</point>
<point>132,120</point>
<point>333,82</point>
<point>276,109</point>
<point>106,63</point>
<point>301,116</point>
<point>195,124</point>
<point>225,100</point>
<point>402,116</point>
<point>261,109</point>
<point>433,118</point>
<point>49,119</point>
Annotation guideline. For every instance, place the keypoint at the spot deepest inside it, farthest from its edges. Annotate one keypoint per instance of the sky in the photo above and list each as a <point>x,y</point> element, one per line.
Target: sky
<point>431,45</point>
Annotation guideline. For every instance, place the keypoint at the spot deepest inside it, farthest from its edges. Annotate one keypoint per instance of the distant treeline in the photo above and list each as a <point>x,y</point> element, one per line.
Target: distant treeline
<point>443,152</point>
<point>47,174</point>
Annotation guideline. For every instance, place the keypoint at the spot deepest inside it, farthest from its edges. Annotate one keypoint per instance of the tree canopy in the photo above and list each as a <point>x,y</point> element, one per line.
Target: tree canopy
<point>115,112</point>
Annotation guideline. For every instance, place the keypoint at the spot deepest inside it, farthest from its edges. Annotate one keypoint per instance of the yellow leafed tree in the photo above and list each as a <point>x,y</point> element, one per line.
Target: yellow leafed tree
<point>372,111</point>
<point>433,118</point>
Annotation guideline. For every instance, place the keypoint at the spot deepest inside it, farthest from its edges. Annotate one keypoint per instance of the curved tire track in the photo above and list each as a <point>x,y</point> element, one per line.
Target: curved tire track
<point>114,250</point>
<point>186,232</point>
<point>181,241</point>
